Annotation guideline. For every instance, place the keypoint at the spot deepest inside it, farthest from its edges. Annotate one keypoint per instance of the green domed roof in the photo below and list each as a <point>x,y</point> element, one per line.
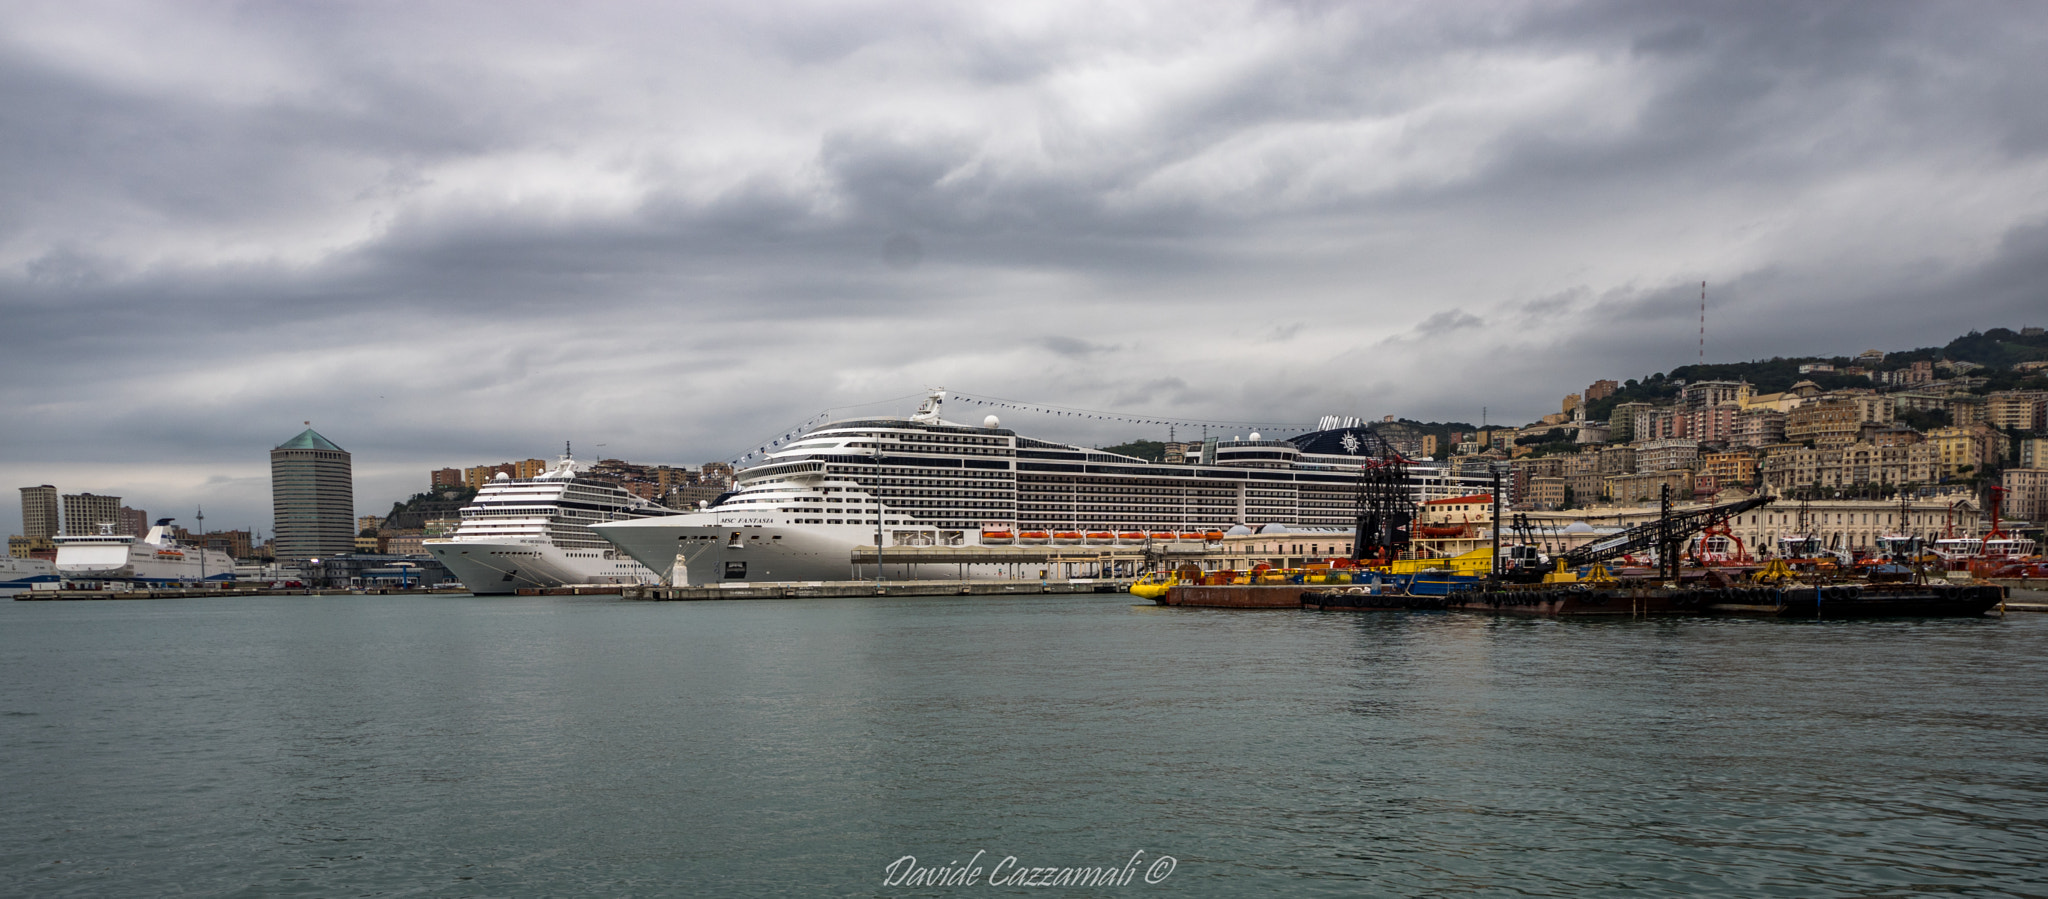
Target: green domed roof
<point>310,439</point>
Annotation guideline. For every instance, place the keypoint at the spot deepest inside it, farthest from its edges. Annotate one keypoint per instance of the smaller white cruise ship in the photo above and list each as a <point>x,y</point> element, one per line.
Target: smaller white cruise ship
<point>155,558</point>
<point>17,575</point>
<point>528,533</point>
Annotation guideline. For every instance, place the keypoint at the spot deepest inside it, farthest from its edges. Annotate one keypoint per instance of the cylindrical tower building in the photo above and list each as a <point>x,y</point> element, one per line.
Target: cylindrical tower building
<point>312,497</point>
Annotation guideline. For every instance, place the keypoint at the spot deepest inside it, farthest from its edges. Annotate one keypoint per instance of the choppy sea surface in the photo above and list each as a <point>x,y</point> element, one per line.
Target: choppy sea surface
<point>553,746</point>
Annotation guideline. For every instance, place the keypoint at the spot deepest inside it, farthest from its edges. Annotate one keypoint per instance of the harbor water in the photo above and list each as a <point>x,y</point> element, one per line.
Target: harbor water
<point>537,746</point>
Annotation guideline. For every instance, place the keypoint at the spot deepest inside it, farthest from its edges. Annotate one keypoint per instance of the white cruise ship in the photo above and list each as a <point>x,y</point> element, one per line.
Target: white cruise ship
<point>155,558</point>
<point>17,575</point>
<point>535,533</point>
<point>798,514</point>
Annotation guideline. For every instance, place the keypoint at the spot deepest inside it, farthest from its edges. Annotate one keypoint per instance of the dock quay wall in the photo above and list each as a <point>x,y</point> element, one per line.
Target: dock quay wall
<point>192,593</point>
<point>834,589</point>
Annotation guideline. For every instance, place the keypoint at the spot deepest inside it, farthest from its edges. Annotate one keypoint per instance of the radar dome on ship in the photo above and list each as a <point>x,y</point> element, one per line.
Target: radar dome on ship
<point>1255,435</point>
<point>991,422</point>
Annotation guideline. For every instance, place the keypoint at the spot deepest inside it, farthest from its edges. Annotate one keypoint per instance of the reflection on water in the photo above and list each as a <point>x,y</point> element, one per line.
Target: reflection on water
<point>462,746</point>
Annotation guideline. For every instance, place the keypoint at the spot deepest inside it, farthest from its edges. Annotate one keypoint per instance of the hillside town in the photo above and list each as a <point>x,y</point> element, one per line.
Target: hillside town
<point>1874,445</point>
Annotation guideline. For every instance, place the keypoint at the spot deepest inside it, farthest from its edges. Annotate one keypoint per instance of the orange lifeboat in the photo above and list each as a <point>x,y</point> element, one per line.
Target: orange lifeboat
<point>1163,536</point>
<point>1213,536</point>
<point>1033,537</point>
<point>1130,537</point>
<point>1066,536</point>
<point>1101,537</point>
<point>1002,537</point>
<point>1191,536</point>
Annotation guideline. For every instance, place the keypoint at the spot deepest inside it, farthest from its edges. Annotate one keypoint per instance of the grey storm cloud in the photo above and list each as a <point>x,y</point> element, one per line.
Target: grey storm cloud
<point>453,234</point>
<point>1074,347</point>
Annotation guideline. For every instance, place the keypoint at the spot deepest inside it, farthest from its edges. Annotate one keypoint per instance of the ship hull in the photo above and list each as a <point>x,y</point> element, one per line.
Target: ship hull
<point>1242,596</point>
<point>705,550</point>
<point>1841,601</point>
<point>17,575</point>
<point>1363,600</point>
<point>1864,601</point>
<point>502,568</point>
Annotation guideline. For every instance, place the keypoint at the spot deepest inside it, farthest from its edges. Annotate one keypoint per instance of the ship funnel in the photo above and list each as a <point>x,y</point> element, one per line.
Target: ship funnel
<point>928,411</point>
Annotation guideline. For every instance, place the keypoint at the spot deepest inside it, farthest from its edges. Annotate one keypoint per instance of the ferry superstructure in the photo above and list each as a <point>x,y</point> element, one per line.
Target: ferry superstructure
<point>925,481</point>
<point>154,558</point>
<point>535,533</point>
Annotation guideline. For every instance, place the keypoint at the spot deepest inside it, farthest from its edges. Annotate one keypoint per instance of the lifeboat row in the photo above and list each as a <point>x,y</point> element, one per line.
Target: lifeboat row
<point>1005,537</point>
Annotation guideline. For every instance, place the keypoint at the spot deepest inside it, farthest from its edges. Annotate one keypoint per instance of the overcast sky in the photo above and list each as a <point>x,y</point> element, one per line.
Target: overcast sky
<point>452,234</point>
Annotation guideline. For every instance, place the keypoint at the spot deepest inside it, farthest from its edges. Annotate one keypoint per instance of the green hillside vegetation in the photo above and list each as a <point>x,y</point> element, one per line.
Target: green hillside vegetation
<point>1149,450</point>
<point>1997,349</point>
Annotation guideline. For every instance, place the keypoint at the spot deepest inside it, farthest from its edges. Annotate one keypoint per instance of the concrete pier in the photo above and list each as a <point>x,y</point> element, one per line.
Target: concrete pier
<point>197,593</point>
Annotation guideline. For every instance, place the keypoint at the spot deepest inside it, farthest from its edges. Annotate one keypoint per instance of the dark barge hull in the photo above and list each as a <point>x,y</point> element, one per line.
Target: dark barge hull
<point>1577,601</point>
<point>1583,600</point>
<point>1338,601</point>
<point>1866,601</point>
<point>1846,601</point>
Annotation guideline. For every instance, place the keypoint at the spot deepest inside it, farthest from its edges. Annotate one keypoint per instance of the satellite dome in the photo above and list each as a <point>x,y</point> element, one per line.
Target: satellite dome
<point>991,422</point>
<point>1237,531</point>
<point>501,476</point>
<point>1255,435</point>
<point>1273,528</point>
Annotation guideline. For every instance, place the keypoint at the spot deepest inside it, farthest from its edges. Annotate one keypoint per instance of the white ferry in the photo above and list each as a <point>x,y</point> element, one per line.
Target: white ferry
<point>156,558</point>
<point>17,575</point>
<point>925,481</point>
<point>535,533</point>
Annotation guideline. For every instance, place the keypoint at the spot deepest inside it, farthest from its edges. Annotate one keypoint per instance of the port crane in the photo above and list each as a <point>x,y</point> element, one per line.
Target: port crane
<point>1385,503</point>
<point>1668,534</point>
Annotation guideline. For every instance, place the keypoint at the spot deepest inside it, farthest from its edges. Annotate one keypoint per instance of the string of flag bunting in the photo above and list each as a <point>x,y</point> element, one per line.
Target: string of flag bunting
<point>823,416</point>
<point>759,452</point>
<point>989,402</point>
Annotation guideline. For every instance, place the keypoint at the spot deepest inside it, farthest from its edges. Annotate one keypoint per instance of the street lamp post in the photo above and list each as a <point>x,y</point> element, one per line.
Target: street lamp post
<point>878,511</point>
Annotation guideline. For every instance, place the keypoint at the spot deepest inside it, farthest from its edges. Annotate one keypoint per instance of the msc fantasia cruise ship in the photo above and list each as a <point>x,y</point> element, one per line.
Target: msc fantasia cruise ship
<point>535,532</point>
<point>798,514</point>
